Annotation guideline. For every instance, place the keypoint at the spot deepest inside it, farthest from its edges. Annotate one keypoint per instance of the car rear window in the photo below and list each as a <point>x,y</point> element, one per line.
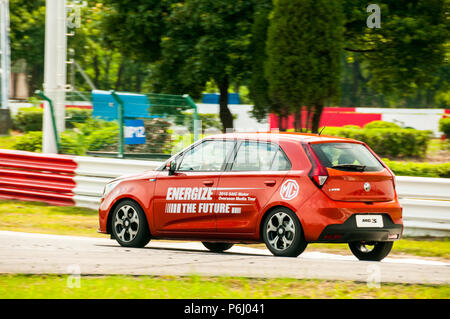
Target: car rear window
<point>347,157</point>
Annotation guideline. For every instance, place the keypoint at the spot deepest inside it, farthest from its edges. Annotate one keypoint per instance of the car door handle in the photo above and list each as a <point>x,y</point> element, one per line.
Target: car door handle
<point>270,182</point>
<point>208,183</point>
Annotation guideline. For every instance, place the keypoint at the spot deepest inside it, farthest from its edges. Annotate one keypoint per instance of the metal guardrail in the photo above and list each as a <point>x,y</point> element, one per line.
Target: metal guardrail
<point>423,187</point>
<point>93,173</point>
<point>426,205</point>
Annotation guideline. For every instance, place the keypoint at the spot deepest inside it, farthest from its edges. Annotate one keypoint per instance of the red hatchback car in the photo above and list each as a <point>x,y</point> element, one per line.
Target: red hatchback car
<point>283,189</point>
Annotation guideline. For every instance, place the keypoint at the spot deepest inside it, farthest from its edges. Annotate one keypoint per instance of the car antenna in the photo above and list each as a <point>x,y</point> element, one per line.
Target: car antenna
<point>322,130</point>
<point>325,125</point>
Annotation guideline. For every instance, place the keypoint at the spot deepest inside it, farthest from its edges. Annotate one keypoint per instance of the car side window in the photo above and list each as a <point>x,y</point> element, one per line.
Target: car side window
<point>257,156</point>
<point>280,162</point>
<point>207,156</point>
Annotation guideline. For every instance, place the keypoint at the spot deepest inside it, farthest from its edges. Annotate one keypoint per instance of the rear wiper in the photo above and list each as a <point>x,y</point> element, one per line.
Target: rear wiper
<point>356,167</point>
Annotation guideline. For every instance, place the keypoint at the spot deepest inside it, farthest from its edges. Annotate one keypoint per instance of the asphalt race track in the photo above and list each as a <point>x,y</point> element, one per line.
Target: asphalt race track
<point>53,254</point>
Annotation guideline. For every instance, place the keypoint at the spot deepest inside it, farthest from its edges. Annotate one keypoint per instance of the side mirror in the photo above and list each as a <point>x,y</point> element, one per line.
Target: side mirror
<point>171,166</point>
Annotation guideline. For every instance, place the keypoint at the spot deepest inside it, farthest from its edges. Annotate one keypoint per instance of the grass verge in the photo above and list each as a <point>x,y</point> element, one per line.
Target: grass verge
<point>173,287</point>
<point>35,217</point>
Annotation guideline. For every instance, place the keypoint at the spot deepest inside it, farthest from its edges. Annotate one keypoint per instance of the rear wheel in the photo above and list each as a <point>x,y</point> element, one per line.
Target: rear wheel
<point>283,233</point>
<point>129,225</point>
<point>217,247</point>
<point>371,251</point>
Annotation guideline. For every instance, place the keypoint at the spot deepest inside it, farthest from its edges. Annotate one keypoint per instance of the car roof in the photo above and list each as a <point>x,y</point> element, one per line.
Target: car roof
<point>283,136</point>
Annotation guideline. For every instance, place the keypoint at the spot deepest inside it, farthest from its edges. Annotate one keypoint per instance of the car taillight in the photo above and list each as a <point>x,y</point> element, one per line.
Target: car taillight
<point>318,173</point>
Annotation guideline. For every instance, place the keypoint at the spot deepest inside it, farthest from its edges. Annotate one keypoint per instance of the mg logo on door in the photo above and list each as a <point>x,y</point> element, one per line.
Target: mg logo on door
<point>289,189</point>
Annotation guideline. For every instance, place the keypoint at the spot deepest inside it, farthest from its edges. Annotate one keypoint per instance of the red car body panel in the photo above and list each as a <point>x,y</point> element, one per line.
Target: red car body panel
<point>230,205</point>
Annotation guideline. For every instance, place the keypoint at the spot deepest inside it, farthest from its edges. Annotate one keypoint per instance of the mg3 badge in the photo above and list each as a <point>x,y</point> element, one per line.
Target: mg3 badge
<point>367,187</point>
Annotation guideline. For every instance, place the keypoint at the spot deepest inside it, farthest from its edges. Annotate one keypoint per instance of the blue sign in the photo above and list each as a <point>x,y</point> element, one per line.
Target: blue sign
<point>213,98</point>
<point>134,132</point>
<point>105,107</point>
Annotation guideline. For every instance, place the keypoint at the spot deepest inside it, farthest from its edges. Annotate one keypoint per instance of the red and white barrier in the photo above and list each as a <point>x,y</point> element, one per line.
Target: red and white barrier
<point>37,177</point>
<point>61,179</point>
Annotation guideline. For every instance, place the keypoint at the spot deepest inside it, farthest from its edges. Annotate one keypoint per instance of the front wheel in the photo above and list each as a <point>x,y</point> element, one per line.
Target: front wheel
<point>283,233</point>
<point>217,247</point>
<point>129,225</point>
<point>371,251</point>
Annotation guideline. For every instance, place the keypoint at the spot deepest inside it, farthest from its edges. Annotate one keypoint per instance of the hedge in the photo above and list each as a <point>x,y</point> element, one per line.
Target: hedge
<point>392,142</point>
<point>92,135</point>
<point>418,169</point>
<point>30,118</point>
<point>100,135</point>
<point>380,124</point>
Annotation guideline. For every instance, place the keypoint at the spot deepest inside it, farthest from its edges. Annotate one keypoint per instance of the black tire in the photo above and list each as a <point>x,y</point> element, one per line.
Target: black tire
<point>217,247</point>
<point>292,233</point>
<point>380,250</point>
<point>135,232</point>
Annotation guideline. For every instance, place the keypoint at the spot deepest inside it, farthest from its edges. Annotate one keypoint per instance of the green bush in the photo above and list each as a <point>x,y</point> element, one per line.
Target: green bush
<point>393,142</point>
<point>444,126</point>
<point>96,135</point>
<point>31,141</point>
<point>28,119</point>
<point>419,169</point>
<point>380,124</point>
<point>93,135</point>
<point>105,139</point>
<point>75,115</point>
<point>355,127</point>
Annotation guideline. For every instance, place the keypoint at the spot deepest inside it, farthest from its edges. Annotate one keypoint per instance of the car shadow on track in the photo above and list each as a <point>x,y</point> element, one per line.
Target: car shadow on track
<point>225,253</point>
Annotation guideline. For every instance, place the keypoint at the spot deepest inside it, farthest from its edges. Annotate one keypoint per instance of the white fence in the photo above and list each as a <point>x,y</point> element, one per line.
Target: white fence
<point>425,201</point>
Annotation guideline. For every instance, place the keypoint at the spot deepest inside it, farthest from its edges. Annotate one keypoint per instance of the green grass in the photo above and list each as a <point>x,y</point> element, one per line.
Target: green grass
<point>35,217</point>
<point>142,287</point>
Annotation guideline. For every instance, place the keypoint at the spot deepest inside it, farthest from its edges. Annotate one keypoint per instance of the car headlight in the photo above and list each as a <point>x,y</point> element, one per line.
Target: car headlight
<point>109,187</point>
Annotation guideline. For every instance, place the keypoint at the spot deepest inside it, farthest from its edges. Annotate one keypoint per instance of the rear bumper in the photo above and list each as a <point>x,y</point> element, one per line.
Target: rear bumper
<point>349,232</point>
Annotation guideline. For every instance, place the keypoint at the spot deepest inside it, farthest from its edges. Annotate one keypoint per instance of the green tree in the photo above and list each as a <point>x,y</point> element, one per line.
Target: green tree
<point>27,34</point>
<point>136,27</point>
<point>258,85</point>
<point>304,48</point>
<point>191,42</point>
<point>405,55</point>
<point>207,39</point>
<point>107,68</point>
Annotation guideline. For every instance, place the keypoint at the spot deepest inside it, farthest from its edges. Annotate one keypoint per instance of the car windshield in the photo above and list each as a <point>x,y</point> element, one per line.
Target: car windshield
<point>347,157</point>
